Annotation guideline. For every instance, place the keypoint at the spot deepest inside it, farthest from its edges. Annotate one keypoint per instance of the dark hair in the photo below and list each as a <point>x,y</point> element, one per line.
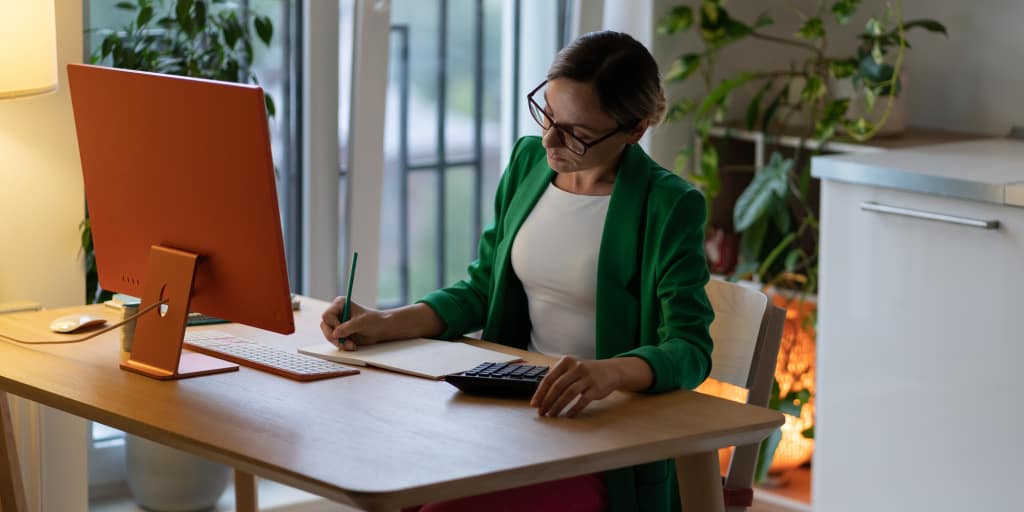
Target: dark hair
<point>622,72</point>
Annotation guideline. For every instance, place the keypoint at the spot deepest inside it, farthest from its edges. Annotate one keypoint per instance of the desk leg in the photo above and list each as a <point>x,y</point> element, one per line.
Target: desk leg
<point>12,492</point>
<point>700,482</point>
<point>246,496</point>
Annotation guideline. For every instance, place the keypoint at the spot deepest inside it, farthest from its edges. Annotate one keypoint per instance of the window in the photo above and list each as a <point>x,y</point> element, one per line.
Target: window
<point>453,110</point>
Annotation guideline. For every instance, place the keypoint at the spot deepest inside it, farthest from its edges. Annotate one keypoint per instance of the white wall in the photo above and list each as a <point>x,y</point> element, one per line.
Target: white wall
<point>967,82</point>
<point>41,194</point>
<point>41,204</point>
<point>972,81</point>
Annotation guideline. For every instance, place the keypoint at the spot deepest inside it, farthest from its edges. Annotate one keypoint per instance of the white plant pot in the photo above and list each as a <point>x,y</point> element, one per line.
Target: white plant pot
<point>164,479</point>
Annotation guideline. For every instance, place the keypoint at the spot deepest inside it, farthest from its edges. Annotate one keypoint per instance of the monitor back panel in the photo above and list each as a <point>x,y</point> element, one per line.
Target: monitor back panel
<point>183,163</point>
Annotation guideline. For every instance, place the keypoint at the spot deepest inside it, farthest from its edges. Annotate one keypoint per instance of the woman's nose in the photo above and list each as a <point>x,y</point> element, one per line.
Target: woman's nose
<point>552,139</point>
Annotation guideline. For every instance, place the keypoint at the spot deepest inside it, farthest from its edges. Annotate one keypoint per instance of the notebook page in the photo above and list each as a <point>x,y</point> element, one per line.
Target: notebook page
<point>422,357</point>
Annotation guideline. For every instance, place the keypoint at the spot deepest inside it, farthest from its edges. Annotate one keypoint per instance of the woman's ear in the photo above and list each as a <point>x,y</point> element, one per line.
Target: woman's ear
<point>633,136</point>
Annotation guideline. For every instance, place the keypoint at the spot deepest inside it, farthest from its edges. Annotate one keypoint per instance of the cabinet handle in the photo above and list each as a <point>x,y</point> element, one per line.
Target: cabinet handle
<point>918,214</point>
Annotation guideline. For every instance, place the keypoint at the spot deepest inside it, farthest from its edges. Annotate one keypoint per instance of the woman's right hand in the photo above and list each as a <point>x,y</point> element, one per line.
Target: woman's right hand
<point>365,326</point>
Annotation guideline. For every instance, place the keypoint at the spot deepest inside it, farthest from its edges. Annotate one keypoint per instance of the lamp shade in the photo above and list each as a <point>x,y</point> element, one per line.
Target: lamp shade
<point>28,48</point>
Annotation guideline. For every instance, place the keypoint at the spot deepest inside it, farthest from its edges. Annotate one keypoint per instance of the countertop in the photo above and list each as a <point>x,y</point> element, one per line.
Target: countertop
<point>989,171</point>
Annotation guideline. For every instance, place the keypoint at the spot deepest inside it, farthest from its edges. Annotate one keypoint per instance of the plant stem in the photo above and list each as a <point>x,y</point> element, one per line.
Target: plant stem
<point>892,80</point>
<point>782,40</point>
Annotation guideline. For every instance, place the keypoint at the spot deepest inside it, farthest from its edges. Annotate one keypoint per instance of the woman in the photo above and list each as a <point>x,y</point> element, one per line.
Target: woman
<point>595,255</point>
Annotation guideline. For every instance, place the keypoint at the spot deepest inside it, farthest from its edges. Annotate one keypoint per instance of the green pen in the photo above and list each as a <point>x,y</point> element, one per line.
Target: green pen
<point>348,296</point>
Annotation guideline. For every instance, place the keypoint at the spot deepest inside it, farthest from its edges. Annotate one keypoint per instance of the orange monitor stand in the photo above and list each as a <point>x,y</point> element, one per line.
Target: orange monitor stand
<point>156,349</point>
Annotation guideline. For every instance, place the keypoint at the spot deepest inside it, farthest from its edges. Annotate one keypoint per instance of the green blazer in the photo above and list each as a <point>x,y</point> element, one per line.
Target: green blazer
<point>651,302</point>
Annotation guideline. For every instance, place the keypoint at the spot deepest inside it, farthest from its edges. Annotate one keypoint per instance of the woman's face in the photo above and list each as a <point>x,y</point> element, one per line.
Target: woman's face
<point>575,107</point>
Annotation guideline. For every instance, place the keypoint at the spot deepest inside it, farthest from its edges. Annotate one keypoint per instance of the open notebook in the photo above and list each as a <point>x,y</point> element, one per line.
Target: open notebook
<point>422,357</point>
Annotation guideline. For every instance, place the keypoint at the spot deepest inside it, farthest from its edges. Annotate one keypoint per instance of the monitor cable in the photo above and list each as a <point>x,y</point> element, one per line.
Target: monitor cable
<point>90,336</point>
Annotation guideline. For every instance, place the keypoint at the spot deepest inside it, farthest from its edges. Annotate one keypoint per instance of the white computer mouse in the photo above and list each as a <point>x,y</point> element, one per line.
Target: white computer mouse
<point>72,323</point>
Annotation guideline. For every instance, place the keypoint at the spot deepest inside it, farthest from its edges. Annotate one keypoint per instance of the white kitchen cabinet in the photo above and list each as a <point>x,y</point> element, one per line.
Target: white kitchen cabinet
<point>921,331</point>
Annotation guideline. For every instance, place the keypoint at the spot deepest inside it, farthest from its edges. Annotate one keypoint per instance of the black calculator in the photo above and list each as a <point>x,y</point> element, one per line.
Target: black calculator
<point>500,379</point>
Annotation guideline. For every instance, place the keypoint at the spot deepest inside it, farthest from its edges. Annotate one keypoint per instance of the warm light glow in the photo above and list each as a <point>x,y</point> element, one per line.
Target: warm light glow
<point>729,392</point>
<point>795,371</point>
<point>28,48</point>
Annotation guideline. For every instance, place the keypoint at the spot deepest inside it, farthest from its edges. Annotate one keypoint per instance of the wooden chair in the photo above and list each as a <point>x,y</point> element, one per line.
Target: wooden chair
<point>747,331</point>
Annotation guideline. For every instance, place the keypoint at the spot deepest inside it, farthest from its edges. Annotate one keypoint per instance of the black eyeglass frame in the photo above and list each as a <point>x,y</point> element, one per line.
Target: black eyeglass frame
<point>562,132</point>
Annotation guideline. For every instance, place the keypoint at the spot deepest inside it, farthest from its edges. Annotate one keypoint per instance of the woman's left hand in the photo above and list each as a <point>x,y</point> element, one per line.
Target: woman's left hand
<point>570,378</point>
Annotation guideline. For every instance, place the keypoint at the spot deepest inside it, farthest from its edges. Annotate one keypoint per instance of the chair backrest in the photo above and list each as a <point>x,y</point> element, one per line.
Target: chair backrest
<point>747,332</point>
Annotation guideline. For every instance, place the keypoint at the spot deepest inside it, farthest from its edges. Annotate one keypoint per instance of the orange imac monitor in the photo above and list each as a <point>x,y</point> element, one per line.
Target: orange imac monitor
<point>180,187</point>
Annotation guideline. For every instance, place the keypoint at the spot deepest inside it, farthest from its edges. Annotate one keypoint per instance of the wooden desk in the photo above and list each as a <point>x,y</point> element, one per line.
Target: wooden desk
<point>377,440</point>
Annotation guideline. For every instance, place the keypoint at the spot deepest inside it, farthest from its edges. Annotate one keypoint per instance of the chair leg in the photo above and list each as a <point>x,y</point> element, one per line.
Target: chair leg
<point>12,491</point>
<point>246,495</point>
<point>700,482</point>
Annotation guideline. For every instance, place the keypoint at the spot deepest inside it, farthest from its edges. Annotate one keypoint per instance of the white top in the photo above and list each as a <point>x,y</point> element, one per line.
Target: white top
<point>555,256</point>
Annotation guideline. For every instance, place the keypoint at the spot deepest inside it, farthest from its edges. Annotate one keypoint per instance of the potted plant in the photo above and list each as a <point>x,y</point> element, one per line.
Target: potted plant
<point>210,39</point>
<point>773,211</point>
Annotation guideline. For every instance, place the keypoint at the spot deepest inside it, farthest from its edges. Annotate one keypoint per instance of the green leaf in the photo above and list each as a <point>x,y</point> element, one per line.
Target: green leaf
<point>754,107</point>
<point>109,43</point>
<point>778,249</point>
<point>682,161</point>
<point>769,111</point>
<point>869,99</point>
<point>814,89</point>
<point>183,12</point>
<point>144,17</point>
<point>790,408</point>
<point>271,109</point>
<point>859,128</point>
<point>873,27</point>
<point>840,69</point>
<point>766,454</point>
<point>717,28</point>
<point>929,25</point>
<point>769,186</point>
<point>844,10</point>
<point>808,433</point>
<point>264,28</point>
<point>683,67</point>
<point>702,127</point>
<point>872,71</point>
<point>709,161</point>
<point>200,16</point>
<point>719,94</point>
<point>812,29</point>
<point>877,54</point>
<point>751,243</point>
<point>127,6</point>
<point>679,19</point>
<point>834,112</point>
<point>781,218</point>
<point>792,259</point>
<point>232,30</point>
<point>680,109</point>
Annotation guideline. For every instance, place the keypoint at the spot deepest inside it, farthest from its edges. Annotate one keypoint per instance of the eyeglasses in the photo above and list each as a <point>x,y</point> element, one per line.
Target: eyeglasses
<point>569,139</point>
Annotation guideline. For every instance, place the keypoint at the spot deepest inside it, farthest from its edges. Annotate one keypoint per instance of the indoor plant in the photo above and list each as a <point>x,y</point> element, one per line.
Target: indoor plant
<point>211,39</point>
<point>774,214</point>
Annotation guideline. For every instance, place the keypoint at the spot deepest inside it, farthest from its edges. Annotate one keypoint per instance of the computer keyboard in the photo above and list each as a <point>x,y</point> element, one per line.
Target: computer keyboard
<point>500,379</point>
<point>264,357</point>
